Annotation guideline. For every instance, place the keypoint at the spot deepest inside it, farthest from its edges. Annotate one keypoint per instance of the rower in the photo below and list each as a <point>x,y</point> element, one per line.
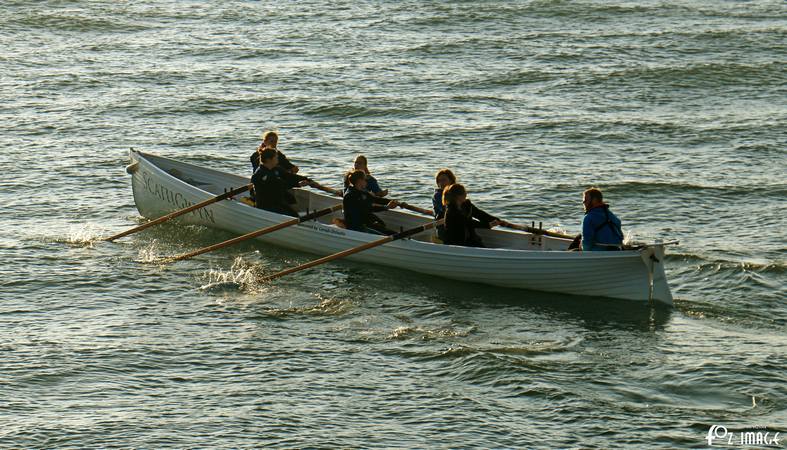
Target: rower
<point>359,206</point>
<point>271,184</point>
<point>271,140</point>
<point>443,178</point>
<point>462,218</point>
<point>372,185</point>
<point>600,228</point>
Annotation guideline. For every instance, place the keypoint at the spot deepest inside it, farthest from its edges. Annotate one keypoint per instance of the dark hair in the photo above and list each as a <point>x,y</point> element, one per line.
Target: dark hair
<point>356,175</point>
<point>266,154</point>
<point>446,172</point>
<point>594,194</point>
<point>451,192</point>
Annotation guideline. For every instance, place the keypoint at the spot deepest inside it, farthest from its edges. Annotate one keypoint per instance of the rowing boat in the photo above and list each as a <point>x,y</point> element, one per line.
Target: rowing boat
<point>513,259</point>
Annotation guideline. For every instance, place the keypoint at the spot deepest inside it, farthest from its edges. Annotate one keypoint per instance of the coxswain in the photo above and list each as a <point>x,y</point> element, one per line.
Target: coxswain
<point>462,218</point>
<point>271,140</point>
<point>600,228</point>
<point>272,184</point>
<point>360,206</point>
<point>361,163</point>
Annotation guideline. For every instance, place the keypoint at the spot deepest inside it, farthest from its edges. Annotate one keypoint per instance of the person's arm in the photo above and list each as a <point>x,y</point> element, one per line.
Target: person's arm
<point>588,233</point>
<point>291,180</point>
<point>255,161</point>
<point>484,218</point>
<point>379,200</point>
<point>285,162</point>
<point>377,207</point>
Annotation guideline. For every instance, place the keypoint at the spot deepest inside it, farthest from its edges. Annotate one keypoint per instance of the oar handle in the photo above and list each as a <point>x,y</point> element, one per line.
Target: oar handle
<point>354,250</point>
<point>327,189</point>
<point>180,212</point>
<point>417,209</point>
<point>294,221</point>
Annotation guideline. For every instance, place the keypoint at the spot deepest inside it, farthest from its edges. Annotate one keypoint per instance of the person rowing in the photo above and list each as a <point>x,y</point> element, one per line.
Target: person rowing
<point>372,185</point>
<point>270,139</point>
<point>272,184</point>
<point>601,230</point>
<point>462,218</point>
<point>443,178</point>
<point>360,206</point>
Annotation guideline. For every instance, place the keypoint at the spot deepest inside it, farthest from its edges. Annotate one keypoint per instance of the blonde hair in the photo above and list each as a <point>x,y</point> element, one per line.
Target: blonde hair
<point>365,163</point>
<point>270,134</point>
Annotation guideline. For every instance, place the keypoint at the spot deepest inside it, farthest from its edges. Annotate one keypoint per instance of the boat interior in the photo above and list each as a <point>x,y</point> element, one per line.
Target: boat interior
<point>216,182</point>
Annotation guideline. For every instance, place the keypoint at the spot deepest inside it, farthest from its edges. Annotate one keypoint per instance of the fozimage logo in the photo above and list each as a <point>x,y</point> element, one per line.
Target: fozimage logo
<point>718,434</point>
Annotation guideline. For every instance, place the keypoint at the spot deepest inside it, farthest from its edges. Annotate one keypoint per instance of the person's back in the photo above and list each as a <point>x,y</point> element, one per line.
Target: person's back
<point>271,185</point>
<point>601,229</point>
<point>462,218</point>
<point>359,206</point>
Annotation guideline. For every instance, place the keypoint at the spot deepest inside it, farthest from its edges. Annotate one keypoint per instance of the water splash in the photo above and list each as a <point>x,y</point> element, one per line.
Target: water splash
<point>241,276</point>
<point>149,253</point>
<point>84,235</point>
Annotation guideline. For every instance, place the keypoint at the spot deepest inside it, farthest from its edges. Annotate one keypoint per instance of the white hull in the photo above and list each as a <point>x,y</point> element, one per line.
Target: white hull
<point>163,185</point>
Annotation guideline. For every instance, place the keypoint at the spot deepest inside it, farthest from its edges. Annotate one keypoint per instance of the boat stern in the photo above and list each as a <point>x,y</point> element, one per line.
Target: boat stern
<point>653,256</point>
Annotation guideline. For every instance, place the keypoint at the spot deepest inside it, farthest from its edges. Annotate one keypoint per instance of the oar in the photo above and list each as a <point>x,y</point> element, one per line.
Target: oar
<point>254,234</point>
<point>354,250</point>
<point>429,212</point>
<point>404,205</point>
<point>327,189</point>
<point>180,212</point>
<point>534,230</point>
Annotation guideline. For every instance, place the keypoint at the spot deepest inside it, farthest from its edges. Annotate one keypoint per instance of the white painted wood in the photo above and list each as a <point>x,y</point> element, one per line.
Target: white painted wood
<point>519,260</point>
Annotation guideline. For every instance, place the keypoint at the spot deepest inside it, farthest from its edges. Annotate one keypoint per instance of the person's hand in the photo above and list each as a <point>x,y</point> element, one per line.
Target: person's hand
<point>495,223</point>
<point>294,169</point>
<point>382,193</point>
<point>303,183</point>
<point>392,204</point>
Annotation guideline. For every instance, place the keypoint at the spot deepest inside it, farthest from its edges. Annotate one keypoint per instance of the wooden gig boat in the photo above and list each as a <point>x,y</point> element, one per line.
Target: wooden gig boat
<point>514,260</point>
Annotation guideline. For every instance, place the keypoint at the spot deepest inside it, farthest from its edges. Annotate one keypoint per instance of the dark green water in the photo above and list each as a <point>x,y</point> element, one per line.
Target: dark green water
<point>676,110</point>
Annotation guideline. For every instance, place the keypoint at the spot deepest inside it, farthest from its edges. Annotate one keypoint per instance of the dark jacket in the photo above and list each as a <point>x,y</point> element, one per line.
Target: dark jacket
<point>271,189</point>
<point>601,230</point>
<point>461,222</point>
<point>372,185</point>
<point>358,208</point>
<point>284,163</point>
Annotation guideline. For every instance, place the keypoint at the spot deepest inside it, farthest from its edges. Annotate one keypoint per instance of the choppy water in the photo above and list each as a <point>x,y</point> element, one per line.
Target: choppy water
<point>676,109</point>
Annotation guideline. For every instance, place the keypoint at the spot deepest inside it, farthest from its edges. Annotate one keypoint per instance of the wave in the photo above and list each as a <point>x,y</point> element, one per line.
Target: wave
<point>696,75</point>
<point>71,21</point>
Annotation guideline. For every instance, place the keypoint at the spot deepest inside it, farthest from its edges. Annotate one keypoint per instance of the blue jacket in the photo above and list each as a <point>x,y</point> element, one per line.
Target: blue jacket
<point>372,185</point>
<point>437,203</point>
<point>600,226</point>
